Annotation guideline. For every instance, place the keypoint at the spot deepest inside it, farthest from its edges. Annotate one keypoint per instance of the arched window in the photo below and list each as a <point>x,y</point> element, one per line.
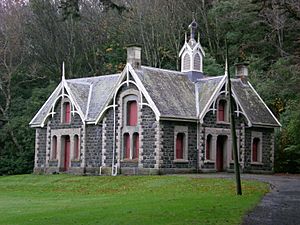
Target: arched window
<point>126,146</point>
<point>67,112</point>
<point>208,147</point>
<point>186,62</point>
<point>135,153</point>
<point>255,150</point>
<point>179,145</point>
<point>222,110</point>
<point>54,147</point>
<point>76,147</point>
<point>197,62</point>
<point>131,113</point>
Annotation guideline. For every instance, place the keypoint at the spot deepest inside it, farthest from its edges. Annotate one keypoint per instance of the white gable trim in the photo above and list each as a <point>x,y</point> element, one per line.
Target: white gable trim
<point>57,89</point>
<point>264,104</point>
<point>141,87</point>
<point>212,99</point>
<point>128,69</point>
<point>239,104</point>
<point>73,101</point>
<point>89,101</point>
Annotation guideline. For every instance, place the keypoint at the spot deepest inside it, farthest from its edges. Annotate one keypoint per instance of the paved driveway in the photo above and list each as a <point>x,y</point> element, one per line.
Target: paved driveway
<point>281,206</point>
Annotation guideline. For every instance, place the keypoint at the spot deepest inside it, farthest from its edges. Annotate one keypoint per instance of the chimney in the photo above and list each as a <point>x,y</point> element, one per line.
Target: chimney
<point>241,71</point>
<point>134,56</point>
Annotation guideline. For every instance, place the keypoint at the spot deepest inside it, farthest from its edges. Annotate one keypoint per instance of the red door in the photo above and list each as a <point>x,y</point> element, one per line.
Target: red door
<point>67,153</point>
<point>219,160</point>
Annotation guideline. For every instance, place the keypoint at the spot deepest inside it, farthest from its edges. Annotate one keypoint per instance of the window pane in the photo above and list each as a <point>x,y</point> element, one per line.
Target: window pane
<point>54,147</point>
<point>132,113</point>
<point>208,146</point>
<point>179,146</point>
<point>126,146</point>
<point>221,110</point>
<point>67,112</point>
<point>135,146</point>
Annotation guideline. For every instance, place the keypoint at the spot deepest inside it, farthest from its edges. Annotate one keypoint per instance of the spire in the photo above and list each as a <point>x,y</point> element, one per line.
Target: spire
<point>193,26</point>
<point>226,67</point>
<point>63,71</point>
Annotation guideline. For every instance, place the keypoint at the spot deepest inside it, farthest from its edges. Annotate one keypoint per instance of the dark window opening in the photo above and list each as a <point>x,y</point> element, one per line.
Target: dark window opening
<point>208,147</point>
<point>67,112</point>
<point>221,110</point>
<point>255,149</point>
<point>135,152</point>
<point>76,147</point>
<point>179,145</point>
<point>126,146</point>
<point>54,147</point>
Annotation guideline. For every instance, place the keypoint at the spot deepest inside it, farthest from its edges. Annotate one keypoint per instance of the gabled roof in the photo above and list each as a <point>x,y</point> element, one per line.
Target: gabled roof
<point>255,108</point>
<point>171,91</point>
<point>205,90</point>
<point>89,94</point>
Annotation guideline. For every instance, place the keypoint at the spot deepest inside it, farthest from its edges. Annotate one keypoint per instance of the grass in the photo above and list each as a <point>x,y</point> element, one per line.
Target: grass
<point>67,199</point>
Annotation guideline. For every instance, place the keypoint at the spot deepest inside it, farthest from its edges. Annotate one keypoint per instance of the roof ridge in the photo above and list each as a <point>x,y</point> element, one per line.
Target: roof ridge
<point>167,70</point>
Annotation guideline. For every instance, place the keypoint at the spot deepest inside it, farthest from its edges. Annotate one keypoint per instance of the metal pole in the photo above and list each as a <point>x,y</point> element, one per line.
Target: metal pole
<point>233,133</point>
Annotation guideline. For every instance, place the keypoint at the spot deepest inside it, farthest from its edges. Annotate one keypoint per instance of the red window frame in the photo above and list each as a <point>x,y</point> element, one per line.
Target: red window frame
<point>208,146</point>
<point>179,145</point>
<point>136,146</point>
<point>54,147</point>
<point>67,110</point>
<point>221,110</point>
<point>255,147</point>
<point>126,146</point>
<point>76,146</point>
<point>131,113</point>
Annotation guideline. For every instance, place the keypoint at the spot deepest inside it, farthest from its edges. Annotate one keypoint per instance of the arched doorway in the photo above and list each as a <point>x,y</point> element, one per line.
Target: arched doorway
<point>221,153</point>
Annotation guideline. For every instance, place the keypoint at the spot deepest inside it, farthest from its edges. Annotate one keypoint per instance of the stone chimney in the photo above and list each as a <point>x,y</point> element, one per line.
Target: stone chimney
<point>134,56</point>
<point>241,71</point>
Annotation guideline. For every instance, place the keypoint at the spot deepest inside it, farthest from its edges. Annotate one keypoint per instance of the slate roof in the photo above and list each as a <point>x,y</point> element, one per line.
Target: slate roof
<point>171,91</point>
<point>206,87</point>
<point>253,106</point>
<point>89,93</point>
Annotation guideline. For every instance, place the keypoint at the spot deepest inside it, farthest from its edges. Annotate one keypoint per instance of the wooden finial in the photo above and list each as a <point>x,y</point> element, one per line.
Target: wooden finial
<point>63,70</point>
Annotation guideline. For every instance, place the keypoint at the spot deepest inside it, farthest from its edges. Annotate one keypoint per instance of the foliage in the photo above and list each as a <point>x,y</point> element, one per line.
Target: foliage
<point>36,36</point>
<point>65,199</point>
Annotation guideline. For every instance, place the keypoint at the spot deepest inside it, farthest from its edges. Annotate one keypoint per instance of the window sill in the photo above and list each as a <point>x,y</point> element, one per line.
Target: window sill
<point>130,160</point>
<point>257,163</point>
<point>209,161</point>
<point>53,160</point>
<point>75,160</point>
<point>180,161</point>
<point>223,122</point>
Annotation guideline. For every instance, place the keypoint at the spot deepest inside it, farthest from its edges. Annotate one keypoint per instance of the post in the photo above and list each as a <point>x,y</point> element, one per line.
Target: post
<point>233,133</point>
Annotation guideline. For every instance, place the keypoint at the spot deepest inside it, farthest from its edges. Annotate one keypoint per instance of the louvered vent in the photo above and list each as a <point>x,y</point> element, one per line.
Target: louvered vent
<point>186,62</point>
<point>197,62</point>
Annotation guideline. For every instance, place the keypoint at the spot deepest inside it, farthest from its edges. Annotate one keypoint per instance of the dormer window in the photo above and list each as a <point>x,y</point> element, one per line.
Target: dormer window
<point>222,111</point>
<point>66,112</point>
<point>131,113</point>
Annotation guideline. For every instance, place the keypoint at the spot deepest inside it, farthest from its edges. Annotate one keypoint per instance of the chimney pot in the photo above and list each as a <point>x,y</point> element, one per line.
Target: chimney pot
<point>134,56</point>
<point>241,70</point>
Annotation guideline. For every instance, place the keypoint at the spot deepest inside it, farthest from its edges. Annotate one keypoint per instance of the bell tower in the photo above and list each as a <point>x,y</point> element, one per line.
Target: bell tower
<point>192,55</point>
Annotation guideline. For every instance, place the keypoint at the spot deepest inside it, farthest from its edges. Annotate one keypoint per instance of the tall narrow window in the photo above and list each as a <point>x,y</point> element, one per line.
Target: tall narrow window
<point>54,147</point>
<point>76,147</point>
<point>197,62</point>
<point>126,146</point>
<point>255,150</point>
<point>208,147</point>
<point>179,145</point>
<point>67,112</point>
<point>135,152</point>
<point>221,110</point>
<point>186,62</point>
<point>132,113</point>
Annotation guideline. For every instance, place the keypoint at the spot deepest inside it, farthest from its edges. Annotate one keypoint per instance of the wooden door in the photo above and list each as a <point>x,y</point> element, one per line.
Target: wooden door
<point>67,153</point>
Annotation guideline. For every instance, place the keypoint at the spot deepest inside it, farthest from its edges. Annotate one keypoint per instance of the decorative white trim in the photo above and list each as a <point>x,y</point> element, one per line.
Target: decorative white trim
<point>264,104</point>
<point>53,93</point>
<point>89,101</point>
<point>212,98</point>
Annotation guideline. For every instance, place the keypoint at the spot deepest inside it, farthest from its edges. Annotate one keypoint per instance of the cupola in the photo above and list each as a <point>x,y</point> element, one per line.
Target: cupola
<point>192,55</point>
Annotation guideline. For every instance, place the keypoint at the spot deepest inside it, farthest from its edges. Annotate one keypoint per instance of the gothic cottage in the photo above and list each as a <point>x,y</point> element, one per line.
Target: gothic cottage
<point>147,121</point>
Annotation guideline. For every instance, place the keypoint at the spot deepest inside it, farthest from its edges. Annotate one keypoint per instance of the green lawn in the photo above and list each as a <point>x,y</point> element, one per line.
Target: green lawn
<point>67,199</point>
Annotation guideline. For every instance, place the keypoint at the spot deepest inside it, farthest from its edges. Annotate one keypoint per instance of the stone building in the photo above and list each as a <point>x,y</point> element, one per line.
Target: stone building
<point>153,121</point>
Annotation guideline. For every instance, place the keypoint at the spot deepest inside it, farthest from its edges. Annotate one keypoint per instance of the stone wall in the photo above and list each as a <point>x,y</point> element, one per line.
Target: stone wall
<point>267,145</point>
<point>168,162</point>
<point>40,149</point>
<point>93,150</point>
